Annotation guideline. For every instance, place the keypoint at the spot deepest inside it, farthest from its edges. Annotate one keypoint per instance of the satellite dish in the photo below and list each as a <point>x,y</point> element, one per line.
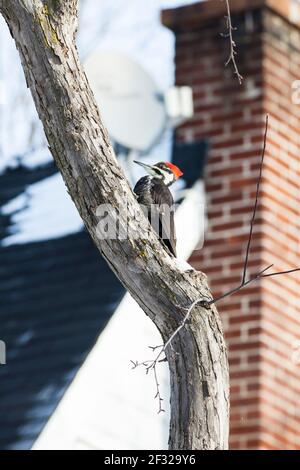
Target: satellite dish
<point>131,106</point>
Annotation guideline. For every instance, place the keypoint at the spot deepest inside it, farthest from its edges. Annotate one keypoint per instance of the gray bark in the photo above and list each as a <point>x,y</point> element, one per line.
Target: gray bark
<point>44,33</point>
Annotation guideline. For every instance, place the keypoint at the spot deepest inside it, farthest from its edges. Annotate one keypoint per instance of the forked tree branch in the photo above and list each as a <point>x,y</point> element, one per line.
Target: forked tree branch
<point>44,33</point>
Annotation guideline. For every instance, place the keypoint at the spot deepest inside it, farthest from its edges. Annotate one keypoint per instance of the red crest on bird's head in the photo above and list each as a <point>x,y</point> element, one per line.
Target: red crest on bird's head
<point>176,171</point>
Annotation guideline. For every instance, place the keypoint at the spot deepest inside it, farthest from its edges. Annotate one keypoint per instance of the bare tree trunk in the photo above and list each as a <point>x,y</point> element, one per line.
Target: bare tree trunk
<point>44,32</point>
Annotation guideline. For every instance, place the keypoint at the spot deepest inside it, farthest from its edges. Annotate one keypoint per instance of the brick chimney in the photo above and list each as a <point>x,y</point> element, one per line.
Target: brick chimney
<point>262,322</point>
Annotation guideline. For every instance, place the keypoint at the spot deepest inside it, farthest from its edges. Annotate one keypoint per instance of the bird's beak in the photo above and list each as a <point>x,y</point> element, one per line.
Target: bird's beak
<point>143,164</point>
<point>148,168</point>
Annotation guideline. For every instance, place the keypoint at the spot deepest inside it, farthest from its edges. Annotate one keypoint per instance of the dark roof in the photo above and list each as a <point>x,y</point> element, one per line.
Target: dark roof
<point>56,296</point>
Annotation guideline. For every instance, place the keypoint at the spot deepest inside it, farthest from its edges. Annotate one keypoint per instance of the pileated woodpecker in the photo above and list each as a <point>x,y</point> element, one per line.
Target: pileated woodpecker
<point>154,195</point>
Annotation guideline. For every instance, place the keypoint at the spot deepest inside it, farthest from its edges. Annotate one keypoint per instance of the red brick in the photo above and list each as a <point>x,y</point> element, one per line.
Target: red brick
<point>262,319</point>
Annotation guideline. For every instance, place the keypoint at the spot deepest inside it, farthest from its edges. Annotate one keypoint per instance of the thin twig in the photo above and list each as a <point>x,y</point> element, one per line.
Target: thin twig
<point>256,201</point>
<point>233,52</point>
<point>282,272</point>
<point>241,286</point>
<point>158,395</point>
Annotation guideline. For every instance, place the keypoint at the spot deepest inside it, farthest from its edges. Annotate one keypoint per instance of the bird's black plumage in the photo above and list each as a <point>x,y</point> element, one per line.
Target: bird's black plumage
<point>158,201</point>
